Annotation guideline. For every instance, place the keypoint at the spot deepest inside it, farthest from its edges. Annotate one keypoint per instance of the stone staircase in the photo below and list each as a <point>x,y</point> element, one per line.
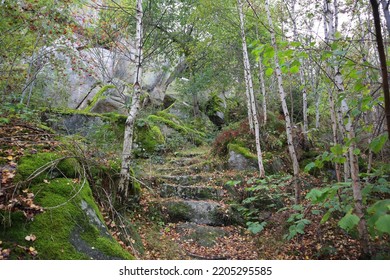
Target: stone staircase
<point>194,200</point>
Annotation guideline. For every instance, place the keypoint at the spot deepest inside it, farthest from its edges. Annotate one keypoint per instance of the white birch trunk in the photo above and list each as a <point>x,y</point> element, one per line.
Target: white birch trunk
<point>125,175</point>
<point>301,75</point>
<point>351,166</point>
<point>329,33</point>
<point>249,84</point>
<point>263,91</point>
<point>385,6</point>
<point>282,94</point>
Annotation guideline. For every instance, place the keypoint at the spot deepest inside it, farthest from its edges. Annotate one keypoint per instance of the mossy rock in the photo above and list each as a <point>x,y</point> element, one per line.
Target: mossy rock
<point>56,166</point>
<point>242,151</point>
<point>148,137</point>
<point>71,226</point>
<point>170,120</point>
<point>178,211</point>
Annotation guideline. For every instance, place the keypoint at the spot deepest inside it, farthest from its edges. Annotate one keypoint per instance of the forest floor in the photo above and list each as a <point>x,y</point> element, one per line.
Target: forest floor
<point>319,241</point>
<point>181,237</point>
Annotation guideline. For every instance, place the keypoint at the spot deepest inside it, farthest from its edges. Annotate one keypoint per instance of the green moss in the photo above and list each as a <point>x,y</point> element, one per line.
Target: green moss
<point>57,228</point>
<point>98,96</point>
<point>174,123</point>
<point>64,216</point>
<point>135,184</point>
<point>214,104</point>
<point>68,167</point>
<point>148,137</point>
<point>242,151</point>
<point>178,211</point>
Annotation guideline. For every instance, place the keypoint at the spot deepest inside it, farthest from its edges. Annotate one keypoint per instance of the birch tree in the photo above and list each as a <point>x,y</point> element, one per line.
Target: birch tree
<point>293,18</point>
<point>249,87</point>
<point>328,32</point>
<point>347,131</point>
<point>125,174</point>
<point>282,95</point>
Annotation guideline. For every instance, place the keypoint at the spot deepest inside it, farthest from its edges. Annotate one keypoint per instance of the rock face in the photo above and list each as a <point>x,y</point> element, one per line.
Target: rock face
<point>69,124</point>
<point>86,70</point>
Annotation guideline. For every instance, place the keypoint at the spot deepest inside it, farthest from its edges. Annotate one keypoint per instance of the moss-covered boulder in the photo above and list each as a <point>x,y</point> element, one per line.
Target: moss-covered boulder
<point>47,166</point>
<point>148,138</point>
<point>69,225</point>
<point>241,158</point>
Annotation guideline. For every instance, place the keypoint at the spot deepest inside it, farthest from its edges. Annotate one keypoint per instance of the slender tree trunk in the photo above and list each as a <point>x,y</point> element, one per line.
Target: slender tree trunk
<point>382,58</point>
<point>333,119</point>
<point>282,94</point>
<point>301,75</point>
<point>342,113</point>
<point>357,195</point>
<point>125,175</point>
<point>385,7</point>
<point>263,91</point>
<point>252,100</point>
<point>351,166</point>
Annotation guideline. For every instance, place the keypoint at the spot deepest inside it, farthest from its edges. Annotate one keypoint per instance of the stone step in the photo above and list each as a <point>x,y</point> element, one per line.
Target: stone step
<point>191,192</point>
<point>183,162</point>
<point>194,211</point>
<point>184,180</point>
<point>203,235</point>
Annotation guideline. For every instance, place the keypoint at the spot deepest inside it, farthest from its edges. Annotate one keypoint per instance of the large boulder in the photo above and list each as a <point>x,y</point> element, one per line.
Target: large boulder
<point>86,71</point>
<point>62,220</point>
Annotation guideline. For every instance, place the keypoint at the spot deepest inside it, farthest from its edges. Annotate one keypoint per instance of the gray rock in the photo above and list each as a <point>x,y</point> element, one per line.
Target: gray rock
<point>199,212</point>
<point>191,192</point>
<point>72,123</point>
<point>201,234</point>
<point>85,71</point>
<point>239,162</point>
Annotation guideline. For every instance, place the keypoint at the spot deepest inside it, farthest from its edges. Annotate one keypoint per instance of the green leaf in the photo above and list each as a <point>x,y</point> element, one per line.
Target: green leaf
<point>377,143</point>
<point>337,35</point>
<point>294,69</point>
<point>295,44</point>
<point>232,183</point>
<point>356,152</point>
<point>310,166</point>
<point>326,217</point>
<point>349,221</point>
<point>318,195</point>
<point>269,72</point>
<point>256,227</point>
<point>337,150</point>
<point>383,224</point>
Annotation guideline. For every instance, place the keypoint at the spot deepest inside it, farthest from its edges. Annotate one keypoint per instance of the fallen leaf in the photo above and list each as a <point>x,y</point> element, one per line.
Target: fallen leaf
<point>10,158</point>
<point>31,237</point>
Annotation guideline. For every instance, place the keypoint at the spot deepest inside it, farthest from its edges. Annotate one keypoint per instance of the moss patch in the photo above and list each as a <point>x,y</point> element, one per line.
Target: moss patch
<point>178,211</point>
<point>56,167</point>
<point>65,229</point>
<point>148,137</point>
<point>98,96</point>
<point>173,122</point>
<point>242,151</point>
